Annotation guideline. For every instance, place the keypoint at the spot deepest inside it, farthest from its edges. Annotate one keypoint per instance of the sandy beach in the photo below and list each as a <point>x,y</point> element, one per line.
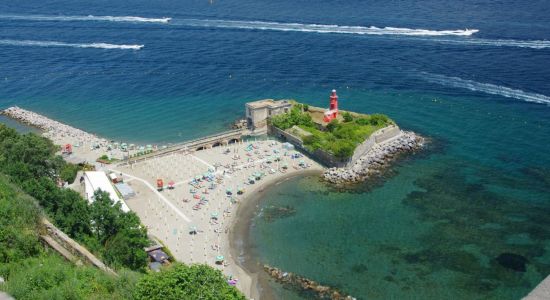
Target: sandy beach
<point>208,197</point>
<point>239,234</point>
<point>196,221</point>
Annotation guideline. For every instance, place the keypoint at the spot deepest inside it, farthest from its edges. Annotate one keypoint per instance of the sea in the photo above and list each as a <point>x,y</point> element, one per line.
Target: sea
<point>466,218</point>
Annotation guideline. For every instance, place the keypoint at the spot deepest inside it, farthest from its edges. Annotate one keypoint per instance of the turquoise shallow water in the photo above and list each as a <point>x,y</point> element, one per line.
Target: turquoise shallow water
<point>434,225</point>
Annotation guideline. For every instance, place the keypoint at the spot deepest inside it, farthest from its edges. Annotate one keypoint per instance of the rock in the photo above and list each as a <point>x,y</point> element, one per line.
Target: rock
<point>512,261</point>
<point>377,158</point>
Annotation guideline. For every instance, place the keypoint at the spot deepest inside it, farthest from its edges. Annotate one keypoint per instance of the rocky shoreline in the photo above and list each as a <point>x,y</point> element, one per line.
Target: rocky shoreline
<point>301,283</point>
<point>375,159</point>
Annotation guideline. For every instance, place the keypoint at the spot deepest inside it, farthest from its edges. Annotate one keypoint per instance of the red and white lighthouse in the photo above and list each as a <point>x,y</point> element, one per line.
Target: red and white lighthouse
<point>332,112</point>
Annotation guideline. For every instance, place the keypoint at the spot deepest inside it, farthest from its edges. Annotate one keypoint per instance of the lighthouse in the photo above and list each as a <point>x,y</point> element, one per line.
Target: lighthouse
<point>332,112</point>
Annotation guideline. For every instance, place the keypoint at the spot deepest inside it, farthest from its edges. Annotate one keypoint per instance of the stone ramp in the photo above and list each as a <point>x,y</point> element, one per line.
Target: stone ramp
<point>58,248</point>
<point>4,296</point>
<point>71,250</point>
<point>541,292</point>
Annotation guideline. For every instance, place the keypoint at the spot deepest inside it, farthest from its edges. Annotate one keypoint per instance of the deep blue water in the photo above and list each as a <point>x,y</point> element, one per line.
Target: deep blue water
<point>483,99</point>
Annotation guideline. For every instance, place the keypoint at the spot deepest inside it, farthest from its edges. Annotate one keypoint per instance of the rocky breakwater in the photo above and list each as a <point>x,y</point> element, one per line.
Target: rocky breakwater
<point>376,159</point>
<point>300,283</point>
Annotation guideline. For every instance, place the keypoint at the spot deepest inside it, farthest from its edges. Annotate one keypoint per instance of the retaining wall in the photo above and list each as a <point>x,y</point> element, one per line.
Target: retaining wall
<point>330,160</point>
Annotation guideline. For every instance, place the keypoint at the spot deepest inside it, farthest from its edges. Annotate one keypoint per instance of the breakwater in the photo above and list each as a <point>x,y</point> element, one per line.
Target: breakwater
<point>377,158</point>
<point>301,283</point>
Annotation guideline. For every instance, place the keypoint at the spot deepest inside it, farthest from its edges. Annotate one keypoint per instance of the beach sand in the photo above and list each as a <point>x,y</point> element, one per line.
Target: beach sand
<point>170,219</point>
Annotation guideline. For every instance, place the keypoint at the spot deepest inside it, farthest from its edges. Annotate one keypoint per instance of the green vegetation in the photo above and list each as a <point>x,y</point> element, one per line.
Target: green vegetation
<point>34,272</point>
<point>120,235</point>
<point>295,117</point>
<point>339,138</point>
<point>68,172</point>
<point>48,276</point>
<point>186,282</point>
<point>347,117</point>
<point>106,160</point>
<point>19,223</point>
<point>30,162</point>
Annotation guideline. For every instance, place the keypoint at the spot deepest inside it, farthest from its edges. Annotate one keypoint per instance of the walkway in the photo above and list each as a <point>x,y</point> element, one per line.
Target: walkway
<point>147,184</point>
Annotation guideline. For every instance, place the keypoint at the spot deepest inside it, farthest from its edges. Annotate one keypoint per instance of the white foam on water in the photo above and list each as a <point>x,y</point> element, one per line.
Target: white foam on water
<point>454,37</point>
<point>319,28</point>
<point>486,88</point>
<point>86,18</point>
<point>30,43</point>
<point>533,44</point>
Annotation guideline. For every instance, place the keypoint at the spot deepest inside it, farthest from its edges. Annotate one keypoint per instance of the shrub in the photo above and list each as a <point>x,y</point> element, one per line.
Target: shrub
<point>378,119</point>
<point>306,107</point>
<point>313,142</point>
<point>295,117</point>
<point>68,172</point>
<point>347,117</point>
<point>362,121</point>
<point>186,282</point>
<point>50,277</point>
<point>343,149</point>
<point>332,125</point>
<point>19,221</point>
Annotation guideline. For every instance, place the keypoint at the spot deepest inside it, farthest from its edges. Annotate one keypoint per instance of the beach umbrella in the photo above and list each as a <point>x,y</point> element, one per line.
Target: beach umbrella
<point>228,191</point>
<point>214,215</point>
<point>192,229</point>
<point>220,259</point>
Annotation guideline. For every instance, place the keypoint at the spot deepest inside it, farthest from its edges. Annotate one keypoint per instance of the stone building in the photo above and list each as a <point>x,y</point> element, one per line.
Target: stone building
<point>258,112</point>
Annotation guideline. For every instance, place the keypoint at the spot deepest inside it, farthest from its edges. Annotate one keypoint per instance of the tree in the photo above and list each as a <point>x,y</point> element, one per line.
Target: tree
<point>186,282</point>
<point>120,234</point>
<point>104,216</point>
<point>114,235</point>
<point>126,247</point>
<point>68,172</point>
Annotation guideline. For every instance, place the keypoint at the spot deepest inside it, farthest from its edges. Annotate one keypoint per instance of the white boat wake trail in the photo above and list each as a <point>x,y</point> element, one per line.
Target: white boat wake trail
<point>86,18</point>
<point>533,44</point>
<point>454,37</point>
<point>318,28</point>
<point>29,43</point>
<point>486,88</point>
